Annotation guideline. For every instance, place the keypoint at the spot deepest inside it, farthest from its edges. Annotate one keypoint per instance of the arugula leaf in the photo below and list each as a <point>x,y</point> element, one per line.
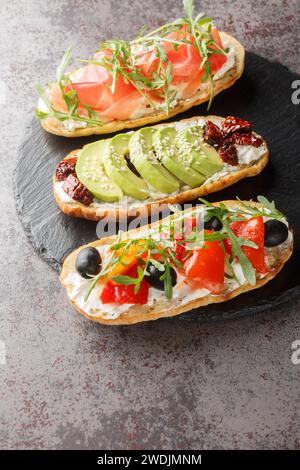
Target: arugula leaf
<point>124,280</point>
<point>203,21</point>
<point>158,265</point>
<point>43,95</point>
<point>271,207</point>
<point>268,208</point>
<point>166,277</point>
<point>92,286</point>
<point>248,243</point>
<point>65,62</point>
<point>188,6</point>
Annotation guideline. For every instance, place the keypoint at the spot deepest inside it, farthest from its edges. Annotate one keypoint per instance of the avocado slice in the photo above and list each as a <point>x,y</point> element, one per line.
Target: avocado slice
<point>90,172</point>
<point>196,153</point>
<point>116,167</point>
<point>165,147</point>
<point>210,152</point>
<point>145,160</point>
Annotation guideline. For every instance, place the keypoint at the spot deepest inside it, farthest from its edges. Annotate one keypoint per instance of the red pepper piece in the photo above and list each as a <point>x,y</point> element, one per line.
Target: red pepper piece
<point>253,230</point>
<point>113,293</point>
<point>206,266</point>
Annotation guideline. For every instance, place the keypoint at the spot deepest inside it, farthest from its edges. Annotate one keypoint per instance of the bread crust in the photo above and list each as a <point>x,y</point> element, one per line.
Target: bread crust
<point>54,126</point>
<point>166,308</point>
<point>77,209</point>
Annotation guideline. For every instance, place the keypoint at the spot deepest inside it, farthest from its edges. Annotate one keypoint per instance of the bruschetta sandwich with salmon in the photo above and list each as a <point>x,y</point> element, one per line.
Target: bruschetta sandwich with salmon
<point>139,172</point>
<point>129,84</point>
<point>210,253</point>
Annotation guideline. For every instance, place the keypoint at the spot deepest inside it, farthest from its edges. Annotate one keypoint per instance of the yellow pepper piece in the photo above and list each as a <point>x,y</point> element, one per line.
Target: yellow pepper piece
<point>128,258</point>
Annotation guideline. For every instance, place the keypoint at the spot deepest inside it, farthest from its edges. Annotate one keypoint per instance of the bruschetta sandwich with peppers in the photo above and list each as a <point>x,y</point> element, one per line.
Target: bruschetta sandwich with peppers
<point>163,164</point>
<point>129,84</point>
<point>207,254</point>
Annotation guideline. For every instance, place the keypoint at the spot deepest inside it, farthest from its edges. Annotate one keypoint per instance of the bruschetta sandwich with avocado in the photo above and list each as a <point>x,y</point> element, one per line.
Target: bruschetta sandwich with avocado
<point>129,84</point>
<point>153,166</point>
<point>210,253</point>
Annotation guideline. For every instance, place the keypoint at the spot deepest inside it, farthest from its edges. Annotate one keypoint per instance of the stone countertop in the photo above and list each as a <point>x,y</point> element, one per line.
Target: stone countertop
<point>69,383</point>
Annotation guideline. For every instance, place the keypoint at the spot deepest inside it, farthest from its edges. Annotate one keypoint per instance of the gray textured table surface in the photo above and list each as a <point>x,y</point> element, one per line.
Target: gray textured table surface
<point>68,383</point>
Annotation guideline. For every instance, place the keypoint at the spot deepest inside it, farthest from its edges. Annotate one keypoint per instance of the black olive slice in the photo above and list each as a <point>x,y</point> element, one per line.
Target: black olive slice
<point>276,232</point>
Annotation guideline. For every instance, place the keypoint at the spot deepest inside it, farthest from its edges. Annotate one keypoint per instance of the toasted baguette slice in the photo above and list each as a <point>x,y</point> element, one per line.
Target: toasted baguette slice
<point>167,308</point>
<point>54,126</point>
<point>77,209</point>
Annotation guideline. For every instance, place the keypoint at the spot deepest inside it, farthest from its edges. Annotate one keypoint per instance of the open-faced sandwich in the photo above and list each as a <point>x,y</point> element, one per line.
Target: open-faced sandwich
<point>165,164</point>
<point>128,84</point>
<point>207,254</point>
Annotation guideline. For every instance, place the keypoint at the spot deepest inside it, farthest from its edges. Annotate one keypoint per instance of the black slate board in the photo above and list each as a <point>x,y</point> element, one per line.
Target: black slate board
<point>263,96</point>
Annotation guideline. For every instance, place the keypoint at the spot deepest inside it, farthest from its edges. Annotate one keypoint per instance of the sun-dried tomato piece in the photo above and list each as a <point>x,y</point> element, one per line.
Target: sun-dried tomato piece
<point>213,134</point>
<point>233,124</point>
<point>228,153</point>
<point>77,190</point>
<point>246,138</point>
<point>66,168</point>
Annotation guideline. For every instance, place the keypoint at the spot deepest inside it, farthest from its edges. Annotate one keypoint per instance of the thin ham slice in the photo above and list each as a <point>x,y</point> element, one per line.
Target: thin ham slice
<point>92,82</point>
